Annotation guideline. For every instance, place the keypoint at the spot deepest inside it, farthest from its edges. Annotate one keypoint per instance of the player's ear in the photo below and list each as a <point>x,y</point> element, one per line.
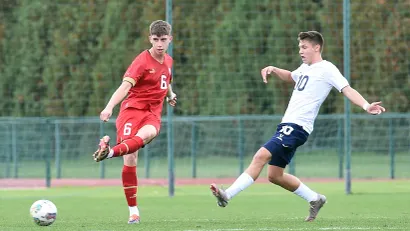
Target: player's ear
<point>317,47</point>
<point>170,38</point>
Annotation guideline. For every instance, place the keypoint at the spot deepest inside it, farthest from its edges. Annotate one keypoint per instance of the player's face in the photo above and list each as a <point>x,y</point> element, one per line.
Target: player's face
<point>308,51</point>
<point>160,44</point>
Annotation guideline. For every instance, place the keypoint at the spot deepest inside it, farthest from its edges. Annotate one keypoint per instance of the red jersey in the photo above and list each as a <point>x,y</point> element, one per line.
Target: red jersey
<point>150,80</point>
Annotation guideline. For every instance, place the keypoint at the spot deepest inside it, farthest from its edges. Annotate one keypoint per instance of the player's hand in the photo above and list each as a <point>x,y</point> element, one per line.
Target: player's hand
<point>265,72</point>
<point>172,99</point>
<point>375,108</point>
<point>105,114</point>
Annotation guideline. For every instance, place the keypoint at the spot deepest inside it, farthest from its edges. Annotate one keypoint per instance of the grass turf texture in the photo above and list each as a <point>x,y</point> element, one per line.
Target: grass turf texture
<point>372,206</point>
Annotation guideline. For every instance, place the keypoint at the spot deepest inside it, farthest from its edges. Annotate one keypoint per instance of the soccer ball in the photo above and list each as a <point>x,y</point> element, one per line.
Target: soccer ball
<point>44,212</point>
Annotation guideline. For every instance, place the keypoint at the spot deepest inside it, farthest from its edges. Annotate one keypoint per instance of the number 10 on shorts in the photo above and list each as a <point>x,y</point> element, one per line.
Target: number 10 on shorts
<point>286,130</point>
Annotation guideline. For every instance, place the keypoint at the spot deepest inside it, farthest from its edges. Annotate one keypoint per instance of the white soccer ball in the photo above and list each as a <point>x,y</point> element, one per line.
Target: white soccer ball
<point>44,212</point>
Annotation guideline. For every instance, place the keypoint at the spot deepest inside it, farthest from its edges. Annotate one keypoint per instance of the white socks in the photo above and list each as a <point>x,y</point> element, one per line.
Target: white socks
<point>110,154</point>
<point>134,210</point>
<point>241,183</point>
<point>245,180</point>
<point>306,193</point>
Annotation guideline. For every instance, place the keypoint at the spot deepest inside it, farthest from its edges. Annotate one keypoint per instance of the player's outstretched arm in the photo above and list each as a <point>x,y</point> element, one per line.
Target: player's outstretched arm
<point>283,74</point>
<point>171,96</point>
<point>116,98</point>
<point>355,97</point>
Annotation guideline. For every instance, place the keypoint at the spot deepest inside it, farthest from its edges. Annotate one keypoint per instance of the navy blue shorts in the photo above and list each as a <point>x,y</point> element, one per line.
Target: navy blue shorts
<point>283,144</point>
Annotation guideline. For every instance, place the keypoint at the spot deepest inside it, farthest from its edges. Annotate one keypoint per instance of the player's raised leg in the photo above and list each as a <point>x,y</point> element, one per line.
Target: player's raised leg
<point>282,147</point>
<point>130,184</point>
<point>291,183</point>
<point>246,179</point>
<point>127,146</point>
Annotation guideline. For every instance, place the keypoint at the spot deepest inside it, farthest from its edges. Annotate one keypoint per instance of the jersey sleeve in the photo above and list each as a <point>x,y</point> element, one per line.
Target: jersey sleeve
<point>336,79</point>
<point>135,71</point>
<point>295,74</point>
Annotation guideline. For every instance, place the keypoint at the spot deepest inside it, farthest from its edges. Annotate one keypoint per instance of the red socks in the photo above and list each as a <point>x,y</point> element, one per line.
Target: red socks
<point>130,183</point>
<point>127,146</point>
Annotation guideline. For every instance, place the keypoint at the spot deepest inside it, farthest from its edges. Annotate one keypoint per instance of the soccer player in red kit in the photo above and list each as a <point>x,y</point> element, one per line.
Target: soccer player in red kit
<point>146,84</point>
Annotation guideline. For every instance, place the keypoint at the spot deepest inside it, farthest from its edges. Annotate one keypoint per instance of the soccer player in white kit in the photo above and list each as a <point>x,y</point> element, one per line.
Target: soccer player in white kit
<point>313,81</point>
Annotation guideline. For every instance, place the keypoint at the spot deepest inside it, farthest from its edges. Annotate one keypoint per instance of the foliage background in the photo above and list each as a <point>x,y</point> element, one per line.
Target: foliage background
<point>65,58</point>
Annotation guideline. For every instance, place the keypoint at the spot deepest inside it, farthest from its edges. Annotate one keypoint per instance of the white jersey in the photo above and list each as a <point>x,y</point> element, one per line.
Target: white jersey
<point>313,84</point>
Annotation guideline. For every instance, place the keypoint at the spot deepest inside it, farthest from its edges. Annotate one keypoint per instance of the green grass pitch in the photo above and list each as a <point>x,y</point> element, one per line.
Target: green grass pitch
<point>372,206</point>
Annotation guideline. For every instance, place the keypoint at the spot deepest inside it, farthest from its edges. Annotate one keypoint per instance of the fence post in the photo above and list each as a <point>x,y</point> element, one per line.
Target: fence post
<point>346,72</point>
<point>170,131</point>
<point>102,163</point>
<point>241,144</point>
<point>391,148</point>
<point>9,155</point>
<point>340,146</point>
<point>57,141</point>
<point>48,152</point>
<point>147,160</point>
<point>193,148</point>
<point>14,149</point>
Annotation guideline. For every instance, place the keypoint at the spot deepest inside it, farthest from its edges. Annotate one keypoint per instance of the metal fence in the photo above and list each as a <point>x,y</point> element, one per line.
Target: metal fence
<point>219,146</point>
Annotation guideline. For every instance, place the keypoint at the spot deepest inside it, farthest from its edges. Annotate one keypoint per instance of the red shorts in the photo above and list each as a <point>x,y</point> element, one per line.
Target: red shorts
<point>130,120</point>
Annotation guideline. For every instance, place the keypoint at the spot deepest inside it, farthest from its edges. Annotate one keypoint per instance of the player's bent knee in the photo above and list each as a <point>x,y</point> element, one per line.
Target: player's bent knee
<point>275,174</point>
<point>275,179</point>
<point>130,159</point>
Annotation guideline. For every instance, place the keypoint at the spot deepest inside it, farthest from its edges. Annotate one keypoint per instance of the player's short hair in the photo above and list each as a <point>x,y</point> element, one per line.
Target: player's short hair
<point>160,28</point>
<point>313,37</point>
